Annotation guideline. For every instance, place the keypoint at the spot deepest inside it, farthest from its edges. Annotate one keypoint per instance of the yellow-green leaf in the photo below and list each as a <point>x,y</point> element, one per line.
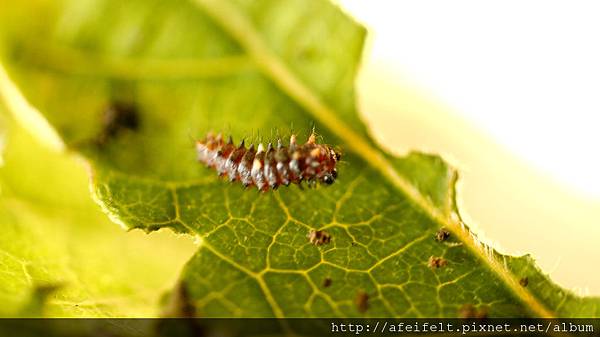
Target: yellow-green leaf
<point>60,256</point>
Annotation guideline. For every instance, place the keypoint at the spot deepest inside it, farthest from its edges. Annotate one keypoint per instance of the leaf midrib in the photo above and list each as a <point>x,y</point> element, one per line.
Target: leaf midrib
<point>238,27</point>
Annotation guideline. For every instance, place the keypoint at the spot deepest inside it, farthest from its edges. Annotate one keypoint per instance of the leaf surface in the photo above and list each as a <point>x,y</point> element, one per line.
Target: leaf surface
<point>249,67</point>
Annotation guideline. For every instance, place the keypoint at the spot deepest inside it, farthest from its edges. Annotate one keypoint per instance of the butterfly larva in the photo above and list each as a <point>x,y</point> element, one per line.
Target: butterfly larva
<point>281,165</point>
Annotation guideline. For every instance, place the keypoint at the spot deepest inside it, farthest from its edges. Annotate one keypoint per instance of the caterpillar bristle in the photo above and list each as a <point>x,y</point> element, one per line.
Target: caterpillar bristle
<point>312,139</point>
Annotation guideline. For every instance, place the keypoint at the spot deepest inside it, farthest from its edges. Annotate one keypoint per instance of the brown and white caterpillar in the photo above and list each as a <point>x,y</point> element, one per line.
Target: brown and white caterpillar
<point>270,167</point>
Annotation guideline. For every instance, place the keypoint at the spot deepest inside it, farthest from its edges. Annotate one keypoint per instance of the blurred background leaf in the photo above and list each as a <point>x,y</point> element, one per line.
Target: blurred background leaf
<point>60,255</point>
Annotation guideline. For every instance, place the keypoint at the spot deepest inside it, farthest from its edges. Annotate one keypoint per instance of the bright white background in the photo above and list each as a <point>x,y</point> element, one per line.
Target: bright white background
<point>508,91</point>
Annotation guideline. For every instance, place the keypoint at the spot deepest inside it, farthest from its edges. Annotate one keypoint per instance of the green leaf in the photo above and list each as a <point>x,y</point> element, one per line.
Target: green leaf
<point>60,256</point>
<point>244,67</point>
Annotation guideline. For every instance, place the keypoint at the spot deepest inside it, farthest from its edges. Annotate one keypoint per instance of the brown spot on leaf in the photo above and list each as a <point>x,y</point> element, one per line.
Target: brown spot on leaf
<point>327,282</point>
<point>442,234</point>
<point>36,305</point>
<point>118,116</point>
<point>470,311</point>
<point>362,301</point>
<point>179,303</point>
<point>436,262</point>
<point>318,238</point>
<point>45,290</point>
<point>524,281</point>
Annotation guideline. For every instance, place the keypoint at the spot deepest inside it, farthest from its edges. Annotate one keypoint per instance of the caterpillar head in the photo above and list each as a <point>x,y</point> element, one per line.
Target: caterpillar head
<point>330,177</point>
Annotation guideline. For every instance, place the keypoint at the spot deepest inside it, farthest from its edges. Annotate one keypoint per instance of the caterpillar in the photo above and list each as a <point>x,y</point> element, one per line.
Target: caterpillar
<point>271,167</point>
